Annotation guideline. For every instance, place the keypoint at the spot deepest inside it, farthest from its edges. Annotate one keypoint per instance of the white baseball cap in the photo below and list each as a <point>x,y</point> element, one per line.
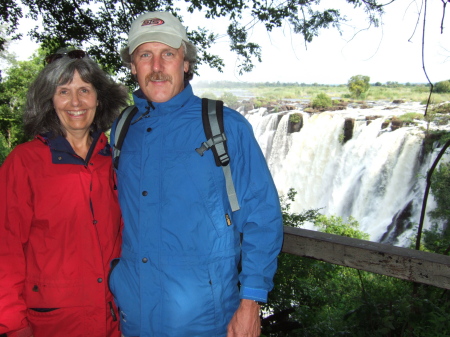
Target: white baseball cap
<point>160,27</point>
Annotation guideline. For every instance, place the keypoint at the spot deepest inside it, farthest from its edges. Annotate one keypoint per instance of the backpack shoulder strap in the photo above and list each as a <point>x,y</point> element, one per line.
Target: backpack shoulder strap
<point>122,126</point>
<point>212,117</point>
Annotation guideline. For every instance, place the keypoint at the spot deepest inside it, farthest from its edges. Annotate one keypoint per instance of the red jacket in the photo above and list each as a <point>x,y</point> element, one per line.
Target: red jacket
<point>60,226</point>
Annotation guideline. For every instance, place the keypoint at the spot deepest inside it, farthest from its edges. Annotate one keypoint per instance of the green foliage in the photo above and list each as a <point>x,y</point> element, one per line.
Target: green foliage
<point>435,138</point>
<point>440,187</point>
<point>262,101</point>
<point>13,92</point>
<point>409,117</point>
<point>436,240</point>
<point>441,108</point>
<point>295,219</point>
<point>442,87</point>
<point>4,149</point>
<point>389,307</point>
<point>358,85</point>
<point>295,118</point>
<point>314,298</point>
<point>322,100</point>
<point>336,225</point>
<point>230,100</point>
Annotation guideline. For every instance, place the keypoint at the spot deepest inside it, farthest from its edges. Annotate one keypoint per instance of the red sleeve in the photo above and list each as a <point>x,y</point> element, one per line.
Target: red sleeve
<point>15,222</point>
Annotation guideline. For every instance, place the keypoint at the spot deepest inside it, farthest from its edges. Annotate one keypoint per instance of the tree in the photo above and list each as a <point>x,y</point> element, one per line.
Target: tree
<point>101,26</point>
<point>358,85</point>
<point>442,87</point>
<point>13,90</point>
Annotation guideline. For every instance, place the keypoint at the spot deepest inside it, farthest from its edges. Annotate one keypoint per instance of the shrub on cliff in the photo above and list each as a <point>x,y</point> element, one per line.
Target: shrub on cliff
<point>295,118</point>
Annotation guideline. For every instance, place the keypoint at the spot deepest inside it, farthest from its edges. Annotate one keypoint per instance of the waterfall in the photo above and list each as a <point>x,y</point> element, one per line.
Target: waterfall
<point>264,129</point>
<point>378,176</point>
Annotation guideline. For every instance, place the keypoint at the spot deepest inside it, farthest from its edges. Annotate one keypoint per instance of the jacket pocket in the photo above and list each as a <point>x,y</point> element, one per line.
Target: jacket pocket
<point>43,309</point>
<point>208,181</point>
<point>123,282</point>
<point>53,293</point>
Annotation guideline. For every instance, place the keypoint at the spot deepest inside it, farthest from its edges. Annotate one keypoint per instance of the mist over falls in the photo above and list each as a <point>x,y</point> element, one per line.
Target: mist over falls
<point>371,172</point>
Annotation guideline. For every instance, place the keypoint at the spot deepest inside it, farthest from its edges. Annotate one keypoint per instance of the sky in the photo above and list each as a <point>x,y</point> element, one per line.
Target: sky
<point>391,52</point>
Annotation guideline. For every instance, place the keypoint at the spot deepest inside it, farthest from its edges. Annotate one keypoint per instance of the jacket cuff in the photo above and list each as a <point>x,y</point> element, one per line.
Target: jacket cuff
<point>25,332</point>
<point>258,295</point>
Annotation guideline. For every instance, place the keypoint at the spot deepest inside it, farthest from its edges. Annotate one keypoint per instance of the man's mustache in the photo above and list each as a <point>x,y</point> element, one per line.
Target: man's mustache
<point>157,77</point>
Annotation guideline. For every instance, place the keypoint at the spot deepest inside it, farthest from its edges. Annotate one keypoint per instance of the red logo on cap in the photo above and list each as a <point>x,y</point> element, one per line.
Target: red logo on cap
<point>152,22</point>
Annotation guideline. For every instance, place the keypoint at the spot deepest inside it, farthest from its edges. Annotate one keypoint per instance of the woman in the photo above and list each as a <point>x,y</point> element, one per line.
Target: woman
<point>60,222</point>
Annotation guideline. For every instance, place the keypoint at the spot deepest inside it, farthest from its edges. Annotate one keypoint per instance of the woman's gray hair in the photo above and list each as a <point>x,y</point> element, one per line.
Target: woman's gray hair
<point>190,55</point>
<point>40,116</point>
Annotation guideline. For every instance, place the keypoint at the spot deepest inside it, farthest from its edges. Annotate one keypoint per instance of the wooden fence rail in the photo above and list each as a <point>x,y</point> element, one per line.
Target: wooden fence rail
<point>403,263</point>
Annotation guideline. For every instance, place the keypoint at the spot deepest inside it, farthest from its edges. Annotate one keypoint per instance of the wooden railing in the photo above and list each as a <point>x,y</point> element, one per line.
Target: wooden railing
<point>403,263</point>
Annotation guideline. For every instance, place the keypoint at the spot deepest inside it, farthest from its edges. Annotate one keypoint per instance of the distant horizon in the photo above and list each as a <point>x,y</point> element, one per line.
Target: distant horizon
<point>244,83</point>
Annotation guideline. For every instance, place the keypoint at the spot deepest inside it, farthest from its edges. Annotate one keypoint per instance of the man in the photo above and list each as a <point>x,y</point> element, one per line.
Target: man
<point>189,265</point>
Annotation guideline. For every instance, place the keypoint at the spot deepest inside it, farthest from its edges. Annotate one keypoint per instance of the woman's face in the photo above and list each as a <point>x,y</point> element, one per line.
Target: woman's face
<point>75,104</point>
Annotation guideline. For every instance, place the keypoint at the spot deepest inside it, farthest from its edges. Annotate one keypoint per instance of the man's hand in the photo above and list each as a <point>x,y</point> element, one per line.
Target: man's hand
<point>245,321</point>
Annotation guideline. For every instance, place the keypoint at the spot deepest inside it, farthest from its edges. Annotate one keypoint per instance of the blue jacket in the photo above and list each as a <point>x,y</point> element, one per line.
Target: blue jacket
<point>181,271</point>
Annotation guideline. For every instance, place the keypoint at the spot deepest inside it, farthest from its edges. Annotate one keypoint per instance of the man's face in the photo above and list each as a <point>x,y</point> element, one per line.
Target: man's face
<point>159,70</point>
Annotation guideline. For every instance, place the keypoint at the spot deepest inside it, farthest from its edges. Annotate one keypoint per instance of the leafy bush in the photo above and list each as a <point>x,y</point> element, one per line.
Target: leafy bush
<point>442,87</point>
<point>230,100</point>
<point>322,101</point>
<point>336,225</point>
<point>295,118</point>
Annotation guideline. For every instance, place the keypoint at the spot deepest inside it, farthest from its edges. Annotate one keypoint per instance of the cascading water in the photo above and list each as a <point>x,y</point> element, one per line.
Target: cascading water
<point>378,176</point>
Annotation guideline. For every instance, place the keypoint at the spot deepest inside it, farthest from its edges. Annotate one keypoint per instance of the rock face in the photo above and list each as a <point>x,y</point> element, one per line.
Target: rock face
<point>396,124</point>
<point>288,107</point>
<point>401,222</point>
<point>348,129</point>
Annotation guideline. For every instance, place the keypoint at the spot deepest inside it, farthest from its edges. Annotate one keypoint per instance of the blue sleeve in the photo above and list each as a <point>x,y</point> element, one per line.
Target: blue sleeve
<point>259,218</point>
